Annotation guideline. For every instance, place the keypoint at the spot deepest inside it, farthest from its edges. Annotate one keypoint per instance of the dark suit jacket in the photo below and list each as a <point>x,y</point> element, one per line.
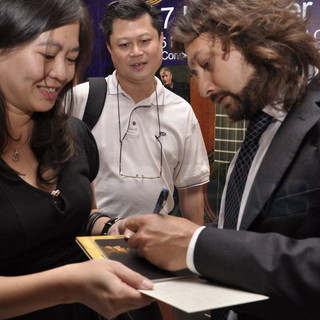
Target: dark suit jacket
<point>279,254</point>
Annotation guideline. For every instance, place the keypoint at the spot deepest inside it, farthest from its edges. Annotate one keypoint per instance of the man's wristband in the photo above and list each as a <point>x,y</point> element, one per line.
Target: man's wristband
<point>108,225</point>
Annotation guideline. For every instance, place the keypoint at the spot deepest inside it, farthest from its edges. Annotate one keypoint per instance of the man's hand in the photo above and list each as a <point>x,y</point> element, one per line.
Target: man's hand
<point>161,239</point>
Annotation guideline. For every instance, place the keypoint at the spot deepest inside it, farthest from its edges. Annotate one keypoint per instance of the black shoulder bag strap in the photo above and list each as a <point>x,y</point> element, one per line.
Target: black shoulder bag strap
<point>96,98</point>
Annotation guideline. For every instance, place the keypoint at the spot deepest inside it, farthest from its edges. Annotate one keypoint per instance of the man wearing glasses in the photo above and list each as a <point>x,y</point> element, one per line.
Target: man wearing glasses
<point>148,137</point>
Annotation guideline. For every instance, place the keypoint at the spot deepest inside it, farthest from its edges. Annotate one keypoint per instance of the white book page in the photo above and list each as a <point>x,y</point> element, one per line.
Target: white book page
<point>193,294</point>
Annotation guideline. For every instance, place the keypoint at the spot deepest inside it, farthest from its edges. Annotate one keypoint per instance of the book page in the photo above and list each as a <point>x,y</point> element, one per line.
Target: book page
<point>193,294</point>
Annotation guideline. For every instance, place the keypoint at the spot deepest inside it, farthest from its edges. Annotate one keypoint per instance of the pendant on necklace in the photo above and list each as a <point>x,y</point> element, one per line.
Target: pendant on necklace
<point>16,156</point>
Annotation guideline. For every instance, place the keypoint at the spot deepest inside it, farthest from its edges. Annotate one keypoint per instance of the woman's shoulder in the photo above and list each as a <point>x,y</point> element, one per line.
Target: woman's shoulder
<point>76,124</point>
<point>85,142</point>
<point>80,131</point>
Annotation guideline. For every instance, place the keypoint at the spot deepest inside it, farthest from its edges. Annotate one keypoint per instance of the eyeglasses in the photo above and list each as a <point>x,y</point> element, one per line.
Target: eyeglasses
<point>140,155</point>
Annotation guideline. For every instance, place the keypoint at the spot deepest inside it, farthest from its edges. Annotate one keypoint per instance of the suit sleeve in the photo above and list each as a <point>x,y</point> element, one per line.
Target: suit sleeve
<point>287,270</point>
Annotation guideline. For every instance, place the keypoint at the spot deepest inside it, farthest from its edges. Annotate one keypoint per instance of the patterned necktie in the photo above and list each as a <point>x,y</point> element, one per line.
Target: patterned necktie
<point>238,180</point>
<point>242,166</point>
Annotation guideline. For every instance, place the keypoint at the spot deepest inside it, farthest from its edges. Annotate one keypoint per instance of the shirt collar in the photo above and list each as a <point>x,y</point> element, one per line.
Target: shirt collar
<point>151,100</point>
<point>276,112</point>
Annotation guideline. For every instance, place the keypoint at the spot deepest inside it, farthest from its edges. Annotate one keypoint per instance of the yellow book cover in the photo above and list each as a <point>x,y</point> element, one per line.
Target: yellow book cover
<point>117,248</point>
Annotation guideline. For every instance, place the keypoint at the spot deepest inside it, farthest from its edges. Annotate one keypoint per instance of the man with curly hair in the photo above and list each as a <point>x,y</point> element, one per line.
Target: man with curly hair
<point>254,57</point>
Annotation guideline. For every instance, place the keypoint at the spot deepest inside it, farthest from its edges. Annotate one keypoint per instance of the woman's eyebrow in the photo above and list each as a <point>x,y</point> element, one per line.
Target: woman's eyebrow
<point>51,43</point>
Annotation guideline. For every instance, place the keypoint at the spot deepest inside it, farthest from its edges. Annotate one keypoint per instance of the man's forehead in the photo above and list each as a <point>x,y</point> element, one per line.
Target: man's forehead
<point>131,29</point>
<point>202,44</point>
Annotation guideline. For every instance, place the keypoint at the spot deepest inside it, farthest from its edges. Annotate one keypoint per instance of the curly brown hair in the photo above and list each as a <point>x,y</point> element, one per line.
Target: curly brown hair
<point>269,33</point>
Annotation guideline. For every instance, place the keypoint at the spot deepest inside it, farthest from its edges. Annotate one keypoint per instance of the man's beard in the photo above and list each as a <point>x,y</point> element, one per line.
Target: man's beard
<point>247,102</point>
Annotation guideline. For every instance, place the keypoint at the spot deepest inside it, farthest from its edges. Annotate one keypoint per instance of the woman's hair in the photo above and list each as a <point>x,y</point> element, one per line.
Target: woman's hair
<point>21,21</point>
<point>269,33</point>
<point>129,10</point>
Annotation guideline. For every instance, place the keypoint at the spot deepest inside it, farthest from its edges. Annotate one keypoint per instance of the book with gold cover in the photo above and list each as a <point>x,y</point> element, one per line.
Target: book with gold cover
<point>117,248</point>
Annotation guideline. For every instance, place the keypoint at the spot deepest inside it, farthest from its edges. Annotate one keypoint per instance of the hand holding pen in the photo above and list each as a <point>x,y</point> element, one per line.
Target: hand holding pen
<point>159,205</point>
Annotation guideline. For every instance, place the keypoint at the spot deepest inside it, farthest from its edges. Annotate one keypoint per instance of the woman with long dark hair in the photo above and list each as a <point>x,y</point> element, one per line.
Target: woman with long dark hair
<point>48,161</point>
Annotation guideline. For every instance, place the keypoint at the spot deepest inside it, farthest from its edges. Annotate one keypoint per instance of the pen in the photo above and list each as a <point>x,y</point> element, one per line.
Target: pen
<point>161,200</point>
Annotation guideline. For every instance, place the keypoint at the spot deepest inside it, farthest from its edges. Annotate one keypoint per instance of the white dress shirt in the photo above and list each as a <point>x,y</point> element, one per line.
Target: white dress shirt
<point>264,143</point>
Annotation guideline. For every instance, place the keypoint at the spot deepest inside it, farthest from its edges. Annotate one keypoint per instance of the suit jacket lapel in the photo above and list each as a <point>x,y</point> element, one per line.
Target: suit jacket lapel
<point>280,154</point>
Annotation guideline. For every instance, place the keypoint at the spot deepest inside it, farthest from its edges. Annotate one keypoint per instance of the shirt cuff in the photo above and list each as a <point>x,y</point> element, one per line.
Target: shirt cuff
<point>190,252</point>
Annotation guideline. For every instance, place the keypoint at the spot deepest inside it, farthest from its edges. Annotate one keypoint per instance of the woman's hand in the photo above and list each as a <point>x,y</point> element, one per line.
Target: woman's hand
<point>108,287</point>
<point>118,228</point>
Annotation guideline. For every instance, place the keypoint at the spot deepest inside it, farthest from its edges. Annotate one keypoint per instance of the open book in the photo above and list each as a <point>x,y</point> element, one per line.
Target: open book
<point>183,290</point>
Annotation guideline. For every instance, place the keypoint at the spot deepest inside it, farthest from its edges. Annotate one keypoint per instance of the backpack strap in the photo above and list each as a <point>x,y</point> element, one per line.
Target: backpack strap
<point>96,98</point>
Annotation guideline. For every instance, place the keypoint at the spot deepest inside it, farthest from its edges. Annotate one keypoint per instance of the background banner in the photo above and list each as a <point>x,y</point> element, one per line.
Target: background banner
<point>101,64</point>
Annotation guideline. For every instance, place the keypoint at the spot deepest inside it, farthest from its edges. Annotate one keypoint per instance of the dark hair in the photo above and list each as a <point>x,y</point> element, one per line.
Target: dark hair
<point>269,33</point>
<point>129,10</point>
<point>21,21</point>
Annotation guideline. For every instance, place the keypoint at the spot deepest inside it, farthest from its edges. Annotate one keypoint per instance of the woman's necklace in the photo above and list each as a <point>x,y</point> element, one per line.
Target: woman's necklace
<point>16,154</point>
